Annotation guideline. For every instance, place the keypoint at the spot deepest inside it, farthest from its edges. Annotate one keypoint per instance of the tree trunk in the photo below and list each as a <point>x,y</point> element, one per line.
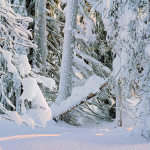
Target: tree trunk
<point>118,104</point>
<point>65,85</point>
<point>40,32</point>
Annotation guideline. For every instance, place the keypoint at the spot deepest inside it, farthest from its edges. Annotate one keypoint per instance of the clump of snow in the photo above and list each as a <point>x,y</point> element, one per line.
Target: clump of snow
<point>14,116</point>
<point>124,57</point>
<point>29,121</point>
<point>32,92</point>
<point>89,27</point>
<point>130,15</point>
<point>93,84</point>
<point>29,88</point>
<point>3,3</point>
<point>77,73</point>
<point>48,82</point>
<point>24,66</point>
<point>78,94</point>
<point>43,110</point>
<point>8,56</point>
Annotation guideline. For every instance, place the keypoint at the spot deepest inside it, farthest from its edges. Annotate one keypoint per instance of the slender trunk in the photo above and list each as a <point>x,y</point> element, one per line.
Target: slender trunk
<point>65,85</point>
<point>118,104</point>
<point>40,32</point>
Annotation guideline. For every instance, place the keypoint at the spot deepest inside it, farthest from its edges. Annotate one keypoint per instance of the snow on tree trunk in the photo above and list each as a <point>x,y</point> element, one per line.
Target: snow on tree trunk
<point>65,85</point>
<point>40,31</point>
<point>118,104</point>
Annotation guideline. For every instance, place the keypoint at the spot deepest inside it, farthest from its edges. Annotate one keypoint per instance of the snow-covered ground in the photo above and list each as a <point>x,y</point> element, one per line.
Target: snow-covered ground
<point>61,136</point>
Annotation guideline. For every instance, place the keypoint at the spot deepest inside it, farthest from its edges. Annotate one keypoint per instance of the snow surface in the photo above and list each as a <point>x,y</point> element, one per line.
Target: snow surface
<point>60,136</point>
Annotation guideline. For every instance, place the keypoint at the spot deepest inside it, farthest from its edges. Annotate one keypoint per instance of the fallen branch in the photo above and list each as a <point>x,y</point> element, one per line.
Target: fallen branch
<point>91,95</point>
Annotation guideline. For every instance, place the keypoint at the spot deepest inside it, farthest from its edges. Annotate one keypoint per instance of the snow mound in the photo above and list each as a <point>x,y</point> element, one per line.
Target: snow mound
<point>28,85</point>
<point>14,116</point>
<point>29,121</point>
<point>37,98</point>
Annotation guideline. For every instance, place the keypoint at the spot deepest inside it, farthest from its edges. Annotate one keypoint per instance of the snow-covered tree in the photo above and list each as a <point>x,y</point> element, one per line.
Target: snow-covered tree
<point>87,63</point>
<point>65,85</point>
<point>19,85</point>
<point>103,40</point>
<point>127,26</point>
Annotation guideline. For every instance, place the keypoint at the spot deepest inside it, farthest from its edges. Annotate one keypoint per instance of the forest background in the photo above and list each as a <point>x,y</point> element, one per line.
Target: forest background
<point>102,47</point>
